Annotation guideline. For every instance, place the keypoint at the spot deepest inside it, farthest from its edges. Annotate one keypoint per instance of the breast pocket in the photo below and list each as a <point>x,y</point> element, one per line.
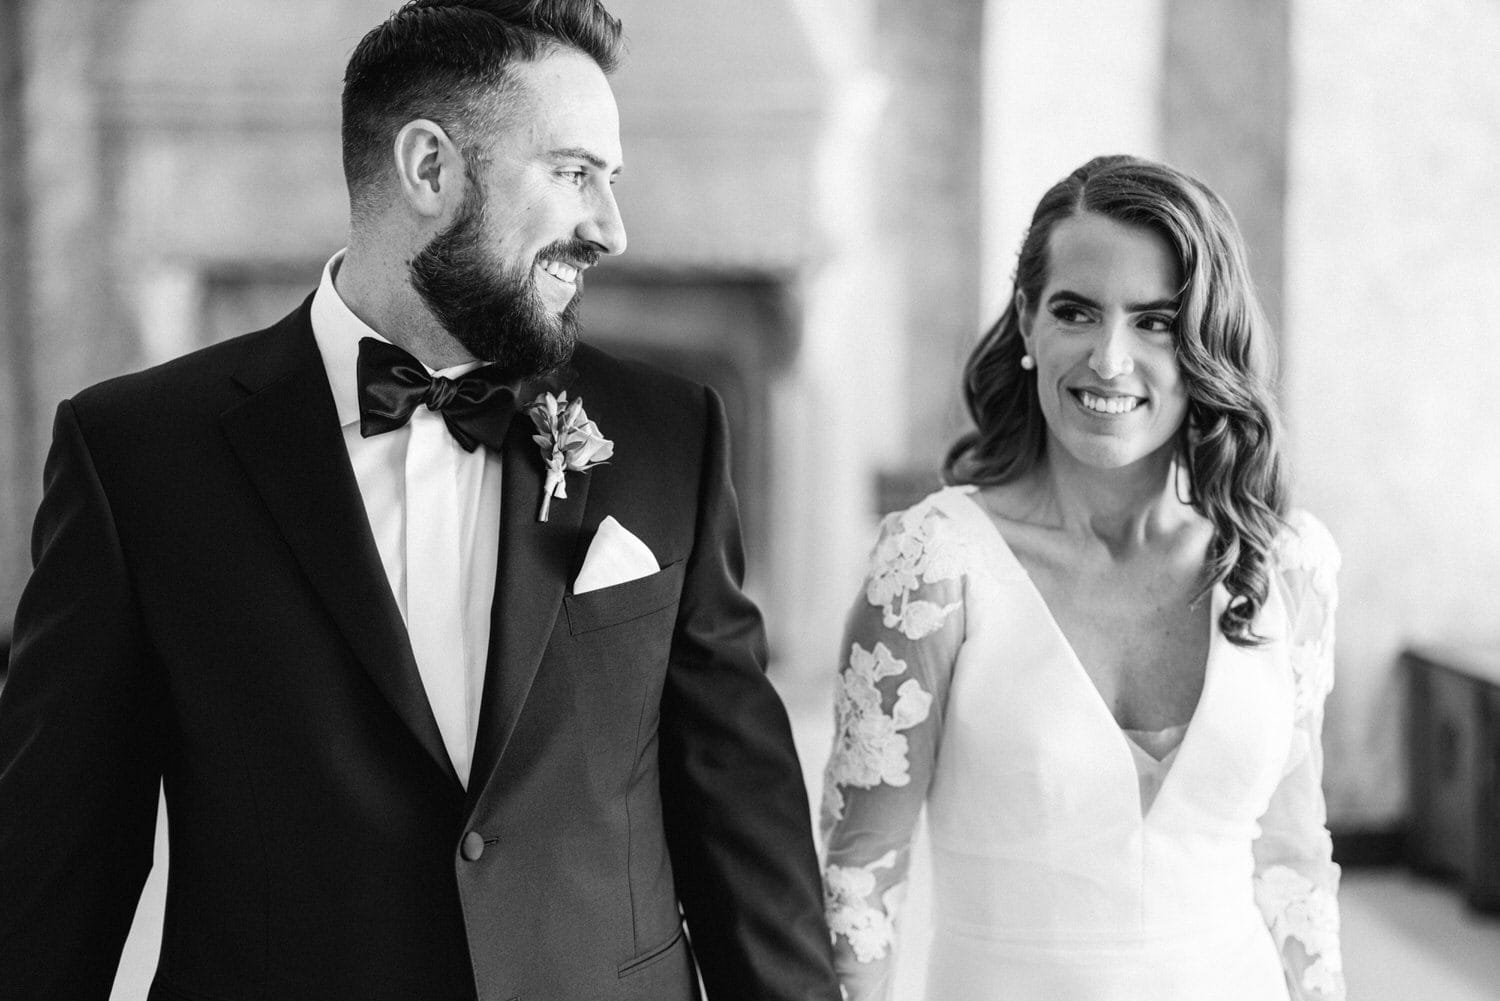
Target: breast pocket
<point>611,606</point>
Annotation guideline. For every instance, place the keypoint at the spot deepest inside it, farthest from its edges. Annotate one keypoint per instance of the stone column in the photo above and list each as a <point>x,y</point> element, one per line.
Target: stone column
<point>19,468</point>
<point>1226,99</point>
<point>928,163</point>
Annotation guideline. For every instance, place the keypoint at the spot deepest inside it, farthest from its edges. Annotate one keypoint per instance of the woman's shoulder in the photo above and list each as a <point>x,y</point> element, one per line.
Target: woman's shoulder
<point>946,536</point>
<point>920,558</point>
<point>1307,564</point>
<point>941,537</point>
<point>940,523</point>
<point>1304,545</point>
<point>943,506</point>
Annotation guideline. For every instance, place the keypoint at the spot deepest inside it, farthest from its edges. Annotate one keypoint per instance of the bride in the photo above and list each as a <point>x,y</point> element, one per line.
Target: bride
<point>1100,659</point>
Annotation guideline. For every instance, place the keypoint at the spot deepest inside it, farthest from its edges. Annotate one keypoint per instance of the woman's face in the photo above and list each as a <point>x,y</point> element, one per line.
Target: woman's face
<point>1101,336</point>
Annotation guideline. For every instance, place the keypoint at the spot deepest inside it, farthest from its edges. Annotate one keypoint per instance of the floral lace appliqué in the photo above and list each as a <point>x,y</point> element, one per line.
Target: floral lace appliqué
<point>1306,545</point>
<point>846,892</point>
<point>916,547</point>
<point>1305,911</point>
<point>1312,670</point>
<point>1308,559</point>
<point>869,748</point>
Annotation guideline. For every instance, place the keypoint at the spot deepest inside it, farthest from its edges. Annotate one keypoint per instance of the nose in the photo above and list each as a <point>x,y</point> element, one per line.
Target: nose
<point>604,228</point>
<point>1110,358</point>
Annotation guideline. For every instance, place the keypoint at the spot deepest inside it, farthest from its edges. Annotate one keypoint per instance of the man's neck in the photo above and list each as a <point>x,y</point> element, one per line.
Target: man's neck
<point>376,287</point>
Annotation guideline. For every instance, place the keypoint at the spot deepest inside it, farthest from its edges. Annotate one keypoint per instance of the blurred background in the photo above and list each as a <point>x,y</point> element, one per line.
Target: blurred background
<point>824,200</point>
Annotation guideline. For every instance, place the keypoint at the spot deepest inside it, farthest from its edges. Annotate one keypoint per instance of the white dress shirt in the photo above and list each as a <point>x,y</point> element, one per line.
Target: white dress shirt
<point>441,567</point>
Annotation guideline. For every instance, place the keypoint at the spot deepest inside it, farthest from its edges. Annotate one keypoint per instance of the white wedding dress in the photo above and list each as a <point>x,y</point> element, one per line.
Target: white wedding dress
<point>1069,862</point>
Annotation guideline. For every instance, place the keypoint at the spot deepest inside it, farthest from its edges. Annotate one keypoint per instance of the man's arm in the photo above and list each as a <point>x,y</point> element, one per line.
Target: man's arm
<point>736,808</point>
<point>81,719</point>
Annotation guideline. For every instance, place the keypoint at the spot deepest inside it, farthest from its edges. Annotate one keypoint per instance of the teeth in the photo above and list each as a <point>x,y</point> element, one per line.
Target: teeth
<point>560,271</point>
<point>1108,404</point>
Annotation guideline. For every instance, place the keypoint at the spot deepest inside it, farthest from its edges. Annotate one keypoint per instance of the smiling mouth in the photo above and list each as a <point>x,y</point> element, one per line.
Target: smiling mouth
<point>1107,405</point>
<point>561,270</point>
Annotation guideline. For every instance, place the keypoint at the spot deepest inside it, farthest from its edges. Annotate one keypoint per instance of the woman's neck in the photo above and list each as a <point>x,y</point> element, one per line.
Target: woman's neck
<point>1126,509</point>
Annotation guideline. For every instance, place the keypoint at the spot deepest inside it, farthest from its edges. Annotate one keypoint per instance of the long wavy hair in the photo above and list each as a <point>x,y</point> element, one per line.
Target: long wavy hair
<point>1228,445</point>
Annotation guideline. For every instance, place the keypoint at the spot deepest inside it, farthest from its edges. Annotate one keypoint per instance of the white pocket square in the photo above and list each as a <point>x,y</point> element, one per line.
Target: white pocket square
<point>614,557</point>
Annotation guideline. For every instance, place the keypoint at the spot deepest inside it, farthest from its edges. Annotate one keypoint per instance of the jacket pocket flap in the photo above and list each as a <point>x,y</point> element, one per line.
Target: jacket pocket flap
<point>651,955</point>
<point>610,606</point>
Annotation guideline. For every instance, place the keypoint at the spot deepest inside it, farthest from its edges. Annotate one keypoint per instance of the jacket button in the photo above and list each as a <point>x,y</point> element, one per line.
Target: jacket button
<point>473,847</point>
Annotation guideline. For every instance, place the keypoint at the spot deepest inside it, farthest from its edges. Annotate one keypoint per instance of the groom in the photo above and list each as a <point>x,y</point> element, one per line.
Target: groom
<point>418,741</point>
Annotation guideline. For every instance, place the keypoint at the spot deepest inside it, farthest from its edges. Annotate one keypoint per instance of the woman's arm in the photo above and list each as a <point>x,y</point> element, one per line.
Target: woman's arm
<point>1296,880</point>
<point>900,643</point>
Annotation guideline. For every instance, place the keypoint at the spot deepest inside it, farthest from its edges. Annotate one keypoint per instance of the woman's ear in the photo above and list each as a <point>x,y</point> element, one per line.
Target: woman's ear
<point>1024,318</point>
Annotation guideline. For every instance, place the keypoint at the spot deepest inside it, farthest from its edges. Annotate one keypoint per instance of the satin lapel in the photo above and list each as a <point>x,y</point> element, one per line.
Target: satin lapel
<point>286,435</point>
<point>536,559</point>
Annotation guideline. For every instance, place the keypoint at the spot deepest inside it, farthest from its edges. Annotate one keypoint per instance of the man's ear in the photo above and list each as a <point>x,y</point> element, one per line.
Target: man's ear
<point>429,168</point>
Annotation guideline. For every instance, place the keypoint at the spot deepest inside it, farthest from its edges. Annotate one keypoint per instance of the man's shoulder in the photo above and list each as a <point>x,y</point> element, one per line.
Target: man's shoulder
<point>199,377</point>
<point>639,388</point>
<point>662,425</point>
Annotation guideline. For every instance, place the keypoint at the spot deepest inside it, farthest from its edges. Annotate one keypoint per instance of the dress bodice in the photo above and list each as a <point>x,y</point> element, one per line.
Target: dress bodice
<point>1053,833</point>
<point>1154,751</point>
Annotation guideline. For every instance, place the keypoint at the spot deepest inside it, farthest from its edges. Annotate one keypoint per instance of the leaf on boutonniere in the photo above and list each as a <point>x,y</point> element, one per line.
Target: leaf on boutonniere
<point>570,443</point>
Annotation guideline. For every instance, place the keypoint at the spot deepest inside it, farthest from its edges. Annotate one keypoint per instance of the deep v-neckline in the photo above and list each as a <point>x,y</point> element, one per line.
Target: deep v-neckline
<point>1084,680</point>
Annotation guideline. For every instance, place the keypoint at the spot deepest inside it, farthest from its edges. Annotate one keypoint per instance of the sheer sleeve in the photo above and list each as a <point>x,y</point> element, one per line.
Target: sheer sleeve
<point>900,643</point>
<point>1296,880</point>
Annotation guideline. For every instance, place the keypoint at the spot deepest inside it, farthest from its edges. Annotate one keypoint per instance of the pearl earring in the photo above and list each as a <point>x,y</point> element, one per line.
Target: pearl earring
<point>1028,363</point>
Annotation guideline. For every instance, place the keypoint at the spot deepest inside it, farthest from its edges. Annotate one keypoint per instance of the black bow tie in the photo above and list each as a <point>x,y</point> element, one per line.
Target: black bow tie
<point>477,406</point>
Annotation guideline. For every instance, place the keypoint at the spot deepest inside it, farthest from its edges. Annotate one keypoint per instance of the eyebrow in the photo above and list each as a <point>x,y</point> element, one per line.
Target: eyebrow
<point>587,156</point>
<point>1163,305</point>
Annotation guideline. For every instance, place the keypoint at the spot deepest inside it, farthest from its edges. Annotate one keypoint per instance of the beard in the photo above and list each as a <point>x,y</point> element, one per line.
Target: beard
<point>493,312</point>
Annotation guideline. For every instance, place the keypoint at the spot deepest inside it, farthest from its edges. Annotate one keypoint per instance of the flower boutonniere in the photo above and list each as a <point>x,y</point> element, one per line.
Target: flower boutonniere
<point>570,443</point>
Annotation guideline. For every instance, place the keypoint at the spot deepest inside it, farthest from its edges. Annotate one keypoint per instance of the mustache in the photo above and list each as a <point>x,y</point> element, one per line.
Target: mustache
<point>577,252</point>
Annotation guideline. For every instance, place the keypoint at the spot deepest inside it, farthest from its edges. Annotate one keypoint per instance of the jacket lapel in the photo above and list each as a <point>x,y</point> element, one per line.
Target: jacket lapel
<point>286,435</point>
<point>536,559</point>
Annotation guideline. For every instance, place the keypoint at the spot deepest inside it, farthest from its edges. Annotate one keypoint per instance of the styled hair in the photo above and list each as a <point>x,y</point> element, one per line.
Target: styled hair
<point>1228,446</point>
<point>448,61</point>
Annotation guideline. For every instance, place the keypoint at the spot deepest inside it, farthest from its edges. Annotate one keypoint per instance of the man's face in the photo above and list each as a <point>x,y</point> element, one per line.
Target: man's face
<point>505,277</point>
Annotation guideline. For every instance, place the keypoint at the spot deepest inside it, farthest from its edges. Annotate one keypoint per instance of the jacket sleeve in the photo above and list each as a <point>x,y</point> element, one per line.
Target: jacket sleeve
<point>80,745</point>
<point>738,824</point>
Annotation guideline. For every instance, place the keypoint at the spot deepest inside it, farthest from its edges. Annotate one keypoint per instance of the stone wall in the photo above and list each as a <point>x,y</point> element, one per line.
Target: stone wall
<point>1064,81</point>
<point>928,153</point>
<point>1225,95</point>
<point>1393,272</point>
<point>18,470</point>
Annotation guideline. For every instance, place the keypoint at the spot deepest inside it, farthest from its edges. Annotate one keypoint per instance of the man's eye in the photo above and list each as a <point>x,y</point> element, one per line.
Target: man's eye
<point>575,177</point>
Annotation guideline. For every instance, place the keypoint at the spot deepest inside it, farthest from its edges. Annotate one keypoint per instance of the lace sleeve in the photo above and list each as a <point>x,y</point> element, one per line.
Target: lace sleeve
<point>899,646</point>
<point>1296,880</point>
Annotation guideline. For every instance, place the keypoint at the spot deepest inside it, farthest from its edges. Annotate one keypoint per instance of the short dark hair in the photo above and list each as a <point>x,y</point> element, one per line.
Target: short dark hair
<point>447,61</point>
<point>1229,444</point>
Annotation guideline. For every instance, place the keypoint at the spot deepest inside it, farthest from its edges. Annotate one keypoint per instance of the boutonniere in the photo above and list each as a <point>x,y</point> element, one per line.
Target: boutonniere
<point>570,442</point>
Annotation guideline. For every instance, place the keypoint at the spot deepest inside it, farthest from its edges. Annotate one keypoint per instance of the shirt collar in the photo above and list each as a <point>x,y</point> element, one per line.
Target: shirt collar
<point>338,332</point>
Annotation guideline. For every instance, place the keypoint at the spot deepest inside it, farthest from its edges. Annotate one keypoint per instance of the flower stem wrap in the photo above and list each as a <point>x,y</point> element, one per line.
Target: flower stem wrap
<point>569,441</point>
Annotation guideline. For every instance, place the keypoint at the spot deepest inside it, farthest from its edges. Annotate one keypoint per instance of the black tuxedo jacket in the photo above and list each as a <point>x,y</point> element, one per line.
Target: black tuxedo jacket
<point>208,608</point>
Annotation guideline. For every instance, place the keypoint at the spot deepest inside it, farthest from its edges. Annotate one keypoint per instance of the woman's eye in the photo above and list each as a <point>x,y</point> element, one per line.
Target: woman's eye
<point>1157,324</point>
<point>1069,314</point>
